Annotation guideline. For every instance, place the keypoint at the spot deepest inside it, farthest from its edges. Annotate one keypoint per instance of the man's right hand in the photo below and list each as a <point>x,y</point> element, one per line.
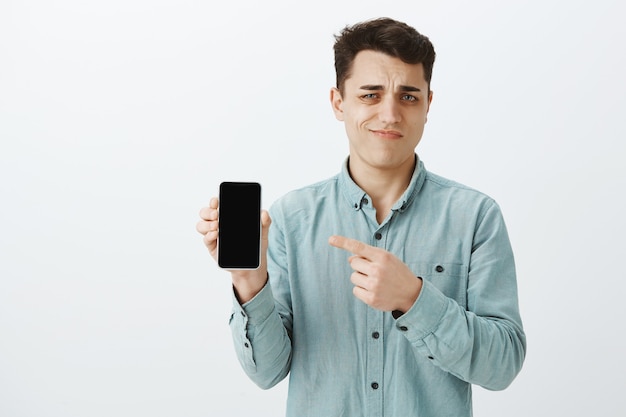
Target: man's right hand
<point>247,283</point>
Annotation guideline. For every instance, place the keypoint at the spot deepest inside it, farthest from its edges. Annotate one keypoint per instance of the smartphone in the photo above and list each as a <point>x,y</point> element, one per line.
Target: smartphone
<point>239,232</point>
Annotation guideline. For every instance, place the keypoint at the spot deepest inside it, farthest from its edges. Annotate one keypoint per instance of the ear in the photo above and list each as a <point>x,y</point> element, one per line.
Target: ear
<point>336,101</point>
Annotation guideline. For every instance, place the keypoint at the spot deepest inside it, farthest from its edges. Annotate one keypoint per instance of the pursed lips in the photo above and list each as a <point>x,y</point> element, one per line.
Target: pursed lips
<point>387,134</point>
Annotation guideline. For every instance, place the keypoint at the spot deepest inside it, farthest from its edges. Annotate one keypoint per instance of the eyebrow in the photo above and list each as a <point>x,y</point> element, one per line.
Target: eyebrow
<point>373,87</point>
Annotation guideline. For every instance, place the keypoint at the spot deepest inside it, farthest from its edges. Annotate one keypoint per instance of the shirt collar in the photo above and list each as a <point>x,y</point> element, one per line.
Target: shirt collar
<point>355,195</point>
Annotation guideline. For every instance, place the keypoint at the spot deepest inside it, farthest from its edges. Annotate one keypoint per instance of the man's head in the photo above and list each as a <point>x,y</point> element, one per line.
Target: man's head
<point>383,93</point>
<point>391,37</point>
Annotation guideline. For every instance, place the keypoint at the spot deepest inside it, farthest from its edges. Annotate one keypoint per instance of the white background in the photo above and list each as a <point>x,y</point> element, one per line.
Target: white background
<point>119,118</point>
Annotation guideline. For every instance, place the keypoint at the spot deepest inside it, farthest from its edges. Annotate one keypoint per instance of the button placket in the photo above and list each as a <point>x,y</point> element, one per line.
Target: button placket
<point>379,238</point>
<point>375,359</point>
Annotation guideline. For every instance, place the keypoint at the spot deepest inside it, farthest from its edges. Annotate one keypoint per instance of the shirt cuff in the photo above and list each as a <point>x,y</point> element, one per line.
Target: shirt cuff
<point>259,308</point>
<point>424,316</point>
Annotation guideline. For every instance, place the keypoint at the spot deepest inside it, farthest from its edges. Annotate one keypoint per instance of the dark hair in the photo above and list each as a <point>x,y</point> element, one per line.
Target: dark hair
<point>389,36</point>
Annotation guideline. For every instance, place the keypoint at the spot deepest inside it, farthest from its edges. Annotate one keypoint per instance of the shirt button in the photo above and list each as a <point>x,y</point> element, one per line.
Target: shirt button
<point>439,268</point>
<point>246,345</point>
<point>365,201</point>
<point>378,236</point>
<point>375,335</point>
<point>374,385</point>
<point>404,328</point>
<point>431,358</point>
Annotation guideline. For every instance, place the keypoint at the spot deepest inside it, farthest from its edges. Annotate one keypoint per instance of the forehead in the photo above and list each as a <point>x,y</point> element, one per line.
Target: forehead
<point>372,67</point>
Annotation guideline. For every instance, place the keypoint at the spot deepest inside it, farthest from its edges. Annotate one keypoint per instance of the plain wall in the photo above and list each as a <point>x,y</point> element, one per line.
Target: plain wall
<point>119,119</point>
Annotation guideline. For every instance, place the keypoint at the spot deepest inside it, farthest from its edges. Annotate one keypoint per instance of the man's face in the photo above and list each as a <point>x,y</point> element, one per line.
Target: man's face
<point>384,107</point>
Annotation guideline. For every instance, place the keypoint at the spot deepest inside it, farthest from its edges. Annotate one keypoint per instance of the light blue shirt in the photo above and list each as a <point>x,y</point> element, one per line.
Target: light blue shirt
<point>348,359</point>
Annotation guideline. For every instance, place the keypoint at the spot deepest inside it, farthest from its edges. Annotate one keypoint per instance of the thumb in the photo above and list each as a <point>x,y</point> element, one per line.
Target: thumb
<point>265,224</point>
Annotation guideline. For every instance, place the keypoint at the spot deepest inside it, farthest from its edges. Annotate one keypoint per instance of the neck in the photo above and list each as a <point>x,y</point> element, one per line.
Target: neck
<point>383,185</point>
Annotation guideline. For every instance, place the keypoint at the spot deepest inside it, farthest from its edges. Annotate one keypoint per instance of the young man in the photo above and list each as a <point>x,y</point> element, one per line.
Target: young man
<point>391,290</point>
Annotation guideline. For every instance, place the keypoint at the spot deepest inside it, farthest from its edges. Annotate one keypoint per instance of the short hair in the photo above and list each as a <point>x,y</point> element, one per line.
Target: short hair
<point>386,35</point>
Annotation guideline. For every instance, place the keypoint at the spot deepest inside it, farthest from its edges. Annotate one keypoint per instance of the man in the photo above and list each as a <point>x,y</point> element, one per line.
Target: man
<point>391,290</point>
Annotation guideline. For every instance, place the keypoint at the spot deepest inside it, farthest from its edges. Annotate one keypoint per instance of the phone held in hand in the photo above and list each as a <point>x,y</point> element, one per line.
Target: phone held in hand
<point>239,233</point>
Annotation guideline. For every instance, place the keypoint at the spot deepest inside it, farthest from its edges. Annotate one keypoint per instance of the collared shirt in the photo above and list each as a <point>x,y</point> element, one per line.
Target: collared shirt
<point>345,358</point>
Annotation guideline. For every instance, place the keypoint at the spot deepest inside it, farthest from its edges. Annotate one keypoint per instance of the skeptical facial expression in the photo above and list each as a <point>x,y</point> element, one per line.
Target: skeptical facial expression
<point>384,104</point>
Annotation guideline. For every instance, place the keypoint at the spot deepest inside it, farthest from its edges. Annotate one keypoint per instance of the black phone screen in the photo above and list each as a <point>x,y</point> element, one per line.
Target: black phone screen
<point>239,233</point>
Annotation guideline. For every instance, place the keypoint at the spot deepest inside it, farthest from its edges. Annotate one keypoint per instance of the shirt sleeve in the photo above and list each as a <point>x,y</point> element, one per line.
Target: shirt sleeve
<point>261,341</point>
<point>482,344</point>
<point>261,328</point>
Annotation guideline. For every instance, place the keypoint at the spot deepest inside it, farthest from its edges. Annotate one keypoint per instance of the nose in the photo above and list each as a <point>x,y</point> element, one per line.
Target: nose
<point>389,111</point>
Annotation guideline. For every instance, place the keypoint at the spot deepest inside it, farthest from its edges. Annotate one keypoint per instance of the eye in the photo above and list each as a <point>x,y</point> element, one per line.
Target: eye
<point>369,96</point>
<point>408,97</point>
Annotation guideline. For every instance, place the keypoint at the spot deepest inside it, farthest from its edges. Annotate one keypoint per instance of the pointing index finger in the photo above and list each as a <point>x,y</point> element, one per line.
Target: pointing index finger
<point>352,245</point>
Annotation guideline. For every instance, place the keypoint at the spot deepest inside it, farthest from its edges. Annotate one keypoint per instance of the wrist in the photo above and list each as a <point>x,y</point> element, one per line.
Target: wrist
<point>247,284</point>
<point>412,296</point>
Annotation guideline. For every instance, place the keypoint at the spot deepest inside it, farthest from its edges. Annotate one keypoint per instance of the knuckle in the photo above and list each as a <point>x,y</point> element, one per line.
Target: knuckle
<point>376,270</point>
<point>207,213</point>
<point>210,238</point>
<point>386,257</point>
<point>372,299</point>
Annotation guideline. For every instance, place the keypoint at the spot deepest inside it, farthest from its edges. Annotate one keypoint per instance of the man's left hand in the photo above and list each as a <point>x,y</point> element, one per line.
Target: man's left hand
<point>380,279</point>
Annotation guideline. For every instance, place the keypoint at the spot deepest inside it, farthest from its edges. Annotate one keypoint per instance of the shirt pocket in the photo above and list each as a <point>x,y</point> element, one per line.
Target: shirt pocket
<point>449,278</point>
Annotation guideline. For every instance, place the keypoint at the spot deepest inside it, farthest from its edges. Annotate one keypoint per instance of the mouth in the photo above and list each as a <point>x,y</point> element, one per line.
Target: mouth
<point>387,134</point>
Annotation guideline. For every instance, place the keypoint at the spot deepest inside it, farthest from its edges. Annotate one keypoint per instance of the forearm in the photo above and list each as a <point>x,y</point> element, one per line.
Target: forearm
<point>487,351</point>
<point>261,341</point>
